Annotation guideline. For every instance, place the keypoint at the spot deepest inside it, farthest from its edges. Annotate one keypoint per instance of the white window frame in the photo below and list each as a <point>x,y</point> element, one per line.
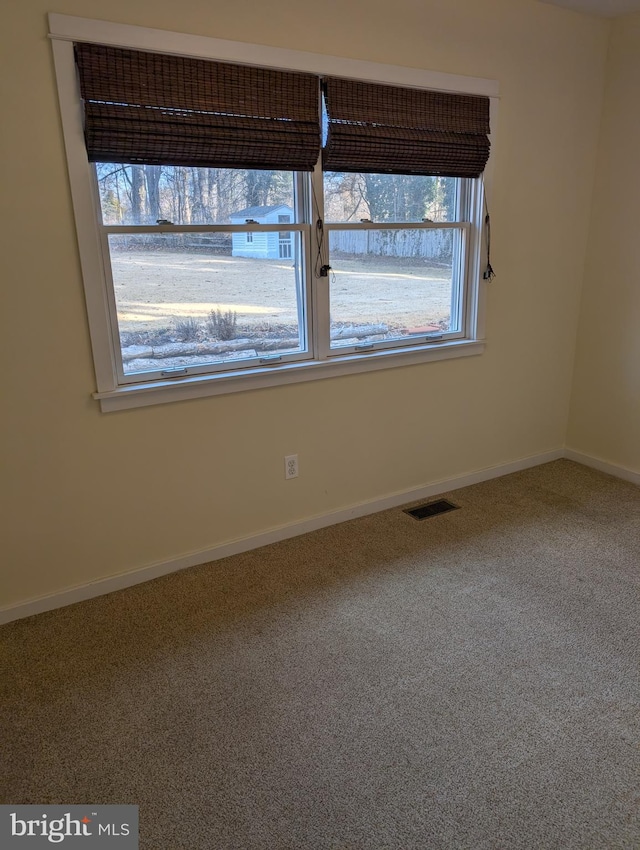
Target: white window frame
<point>112,394</point>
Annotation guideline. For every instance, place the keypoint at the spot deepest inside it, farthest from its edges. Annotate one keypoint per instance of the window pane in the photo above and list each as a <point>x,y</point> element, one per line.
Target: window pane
<point>193,299</point>
<point>389,197</point>
<point>392,284</point>
<point>143,194</point>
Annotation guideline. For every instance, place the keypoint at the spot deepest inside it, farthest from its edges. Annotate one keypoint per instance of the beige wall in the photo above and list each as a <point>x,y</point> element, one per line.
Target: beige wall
<point>605,410</point>
<point>91,495</point>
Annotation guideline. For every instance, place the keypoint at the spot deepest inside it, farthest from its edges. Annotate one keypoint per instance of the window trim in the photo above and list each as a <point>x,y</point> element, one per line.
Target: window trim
<point>64,30</point>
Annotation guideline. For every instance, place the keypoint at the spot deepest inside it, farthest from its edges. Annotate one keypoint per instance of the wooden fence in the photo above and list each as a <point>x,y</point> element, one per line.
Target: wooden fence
<point>434,245</point>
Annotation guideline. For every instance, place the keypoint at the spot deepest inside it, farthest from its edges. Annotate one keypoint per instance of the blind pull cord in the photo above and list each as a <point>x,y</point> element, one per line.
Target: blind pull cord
<point>489,273</point>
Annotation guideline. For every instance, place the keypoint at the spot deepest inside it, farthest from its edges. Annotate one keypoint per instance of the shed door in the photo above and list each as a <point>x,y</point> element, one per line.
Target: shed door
<point>284,238</point>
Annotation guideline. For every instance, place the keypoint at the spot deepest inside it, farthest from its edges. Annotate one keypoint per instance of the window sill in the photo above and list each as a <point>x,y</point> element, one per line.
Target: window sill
<point>201,386</point>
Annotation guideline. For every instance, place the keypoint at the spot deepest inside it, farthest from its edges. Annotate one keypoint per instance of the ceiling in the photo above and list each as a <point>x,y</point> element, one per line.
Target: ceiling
<point>603,8</point>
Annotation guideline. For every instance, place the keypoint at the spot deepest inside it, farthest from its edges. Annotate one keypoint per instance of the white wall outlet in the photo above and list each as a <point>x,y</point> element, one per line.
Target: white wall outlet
<point>291,466</point>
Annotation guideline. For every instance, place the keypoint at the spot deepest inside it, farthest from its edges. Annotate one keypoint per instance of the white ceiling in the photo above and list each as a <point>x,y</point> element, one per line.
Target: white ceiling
<point>603,8</point>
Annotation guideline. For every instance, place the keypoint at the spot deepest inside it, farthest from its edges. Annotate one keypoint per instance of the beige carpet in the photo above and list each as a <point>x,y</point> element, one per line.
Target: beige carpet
<point>469,681</point>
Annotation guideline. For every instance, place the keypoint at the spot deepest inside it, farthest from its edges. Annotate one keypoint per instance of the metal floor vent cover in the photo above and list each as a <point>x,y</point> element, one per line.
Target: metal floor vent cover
<point>442,506</point>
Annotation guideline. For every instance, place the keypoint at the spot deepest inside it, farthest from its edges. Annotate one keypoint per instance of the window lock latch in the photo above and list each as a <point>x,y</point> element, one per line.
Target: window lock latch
<point>163,221</point>
<point>174,373</point>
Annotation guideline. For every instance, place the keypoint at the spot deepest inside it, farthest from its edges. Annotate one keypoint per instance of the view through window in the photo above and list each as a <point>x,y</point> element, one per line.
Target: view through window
<point>213,294</point>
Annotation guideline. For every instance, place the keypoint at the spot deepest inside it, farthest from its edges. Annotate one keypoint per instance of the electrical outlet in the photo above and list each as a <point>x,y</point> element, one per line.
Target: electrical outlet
<point>291,466</point>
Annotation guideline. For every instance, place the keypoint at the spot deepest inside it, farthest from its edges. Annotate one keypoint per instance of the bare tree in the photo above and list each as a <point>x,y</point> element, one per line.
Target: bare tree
<point>153,175</point>
<point>137,194</point>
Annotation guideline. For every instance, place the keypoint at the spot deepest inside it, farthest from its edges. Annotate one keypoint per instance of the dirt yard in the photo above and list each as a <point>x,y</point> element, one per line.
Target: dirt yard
<point>154,289</point>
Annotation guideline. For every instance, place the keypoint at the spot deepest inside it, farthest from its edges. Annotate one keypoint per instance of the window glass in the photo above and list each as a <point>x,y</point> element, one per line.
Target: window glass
<point>145,194</point>
<point>187,299</point>
<point>389,197</point>
<point>393,284</point>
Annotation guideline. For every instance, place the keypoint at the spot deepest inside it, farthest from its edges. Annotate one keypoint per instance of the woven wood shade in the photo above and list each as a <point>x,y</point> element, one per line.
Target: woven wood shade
<point>376,128</point>
<point>158,109</point>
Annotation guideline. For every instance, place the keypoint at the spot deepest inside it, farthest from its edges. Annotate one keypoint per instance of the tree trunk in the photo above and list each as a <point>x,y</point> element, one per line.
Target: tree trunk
<point>152,175</point>
<point>137,194</point>
<point>258,186</point>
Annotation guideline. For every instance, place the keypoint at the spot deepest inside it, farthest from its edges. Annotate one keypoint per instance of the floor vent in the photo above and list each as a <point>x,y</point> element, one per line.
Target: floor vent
<point>442,506</point>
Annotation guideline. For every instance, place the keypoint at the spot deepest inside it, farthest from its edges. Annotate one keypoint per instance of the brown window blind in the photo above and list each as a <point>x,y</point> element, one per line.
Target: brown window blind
<point>376,128</point>
<point>159,109</point>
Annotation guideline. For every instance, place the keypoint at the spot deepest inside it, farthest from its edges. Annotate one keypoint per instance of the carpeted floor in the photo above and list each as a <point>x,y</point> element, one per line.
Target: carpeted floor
<point>469,681</point>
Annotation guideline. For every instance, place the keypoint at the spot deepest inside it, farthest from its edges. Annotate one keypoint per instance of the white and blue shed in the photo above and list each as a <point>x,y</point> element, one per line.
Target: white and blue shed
<point>276,245</point>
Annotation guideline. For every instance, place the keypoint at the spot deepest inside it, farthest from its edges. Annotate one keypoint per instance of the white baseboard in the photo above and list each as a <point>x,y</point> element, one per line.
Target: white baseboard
<point>603,466</point>
<point>79,593</point>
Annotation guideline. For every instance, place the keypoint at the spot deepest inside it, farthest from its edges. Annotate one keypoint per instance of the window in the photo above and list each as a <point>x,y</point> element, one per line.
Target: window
<point>249,243</point>
<point>205,290</point>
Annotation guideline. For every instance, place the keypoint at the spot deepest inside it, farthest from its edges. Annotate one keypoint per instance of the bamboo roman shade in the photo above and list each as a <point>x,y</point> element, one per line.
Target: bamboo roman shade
<point>377,128</point>
<point>159,109</point>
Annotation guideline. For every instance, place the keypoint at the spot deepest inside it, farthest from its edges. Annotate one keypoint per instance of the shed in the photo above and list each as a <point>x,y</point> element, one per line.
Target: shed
<point>269,246</point>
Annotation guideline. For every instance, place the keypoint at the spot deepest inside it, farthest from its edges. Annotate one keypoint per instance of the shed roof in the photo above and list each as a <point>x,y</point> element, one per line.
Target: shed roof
<point>252,212</point>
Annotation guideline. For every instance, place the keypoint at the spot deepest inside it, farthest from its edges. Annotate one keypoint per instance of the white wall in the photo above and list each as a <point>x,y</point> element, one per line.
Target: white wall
<point>91,495</point>
<point>605,411</point>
